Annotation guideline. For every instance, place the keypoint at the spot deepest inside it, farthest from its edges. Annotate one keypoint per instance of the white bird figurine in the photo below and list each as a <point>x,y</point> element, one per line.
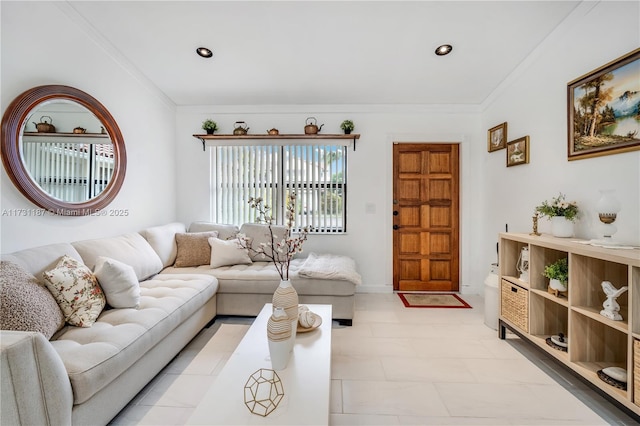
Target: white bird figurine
<point>611,307</point>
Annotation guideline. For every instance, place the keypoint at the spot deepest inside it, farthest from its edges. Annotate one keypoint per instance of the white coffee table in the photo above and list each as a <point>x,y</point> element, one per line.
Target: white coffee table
<point>306,380</point>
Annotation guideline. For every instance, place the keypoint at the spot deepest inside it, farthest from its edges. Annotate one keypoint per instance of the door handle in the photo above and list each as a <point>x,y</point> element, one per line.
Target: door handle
<point>396,227</point>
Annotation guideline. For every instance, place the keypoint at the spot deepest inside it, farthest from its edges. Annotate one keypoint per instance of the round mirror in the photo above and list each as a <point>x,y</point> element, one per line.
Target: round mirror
<point>63,150</point>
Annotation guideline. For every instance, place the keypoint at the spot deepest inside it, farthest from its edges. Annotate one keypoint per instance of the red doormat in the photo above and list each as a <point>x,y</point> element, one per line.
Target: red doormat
<point>432,300</point>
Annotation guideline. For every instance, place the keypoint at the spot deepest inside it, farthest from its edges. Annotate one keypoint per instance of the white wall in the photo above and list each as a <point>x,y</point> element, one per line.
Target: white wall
<point>43,43</point>
<point>369,236</point>
<point>534,102</point>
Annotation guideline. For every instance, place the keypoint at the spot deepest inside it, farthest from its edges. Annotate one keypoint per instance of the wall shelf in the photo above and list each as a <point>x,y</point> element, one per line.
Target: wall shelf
<point>204,138</point>
<point>595,341</point>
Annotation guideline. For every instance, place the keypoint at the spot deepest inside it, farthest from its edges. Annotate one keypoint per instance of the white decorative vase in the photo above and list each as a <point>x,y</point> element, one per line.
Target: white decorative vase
<point>557,285</point>
<point>561,227</point>
<point>279,336</point>
<point>286,297</point>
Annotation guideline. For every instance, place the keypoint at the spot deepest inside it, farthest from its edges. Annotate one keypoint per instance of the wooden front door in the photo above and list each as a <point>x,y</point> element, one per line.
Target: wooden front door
<point>425,222</point>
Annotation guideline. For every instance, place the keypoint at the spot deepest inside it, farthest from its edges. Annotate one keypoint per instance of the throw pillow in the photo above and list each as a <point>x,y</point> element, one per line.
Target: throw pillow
<point>76,290</point>
<point>25,304</point>
<point>119,283</point>
<point>193,248</point>
<point>227,253</point>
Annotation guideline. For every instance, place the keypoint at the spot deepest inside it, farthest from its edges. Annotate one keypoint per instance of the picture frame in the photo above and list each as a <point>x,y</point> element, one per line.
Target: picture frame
<point>518,151</point>
<point>497,137</point>
<point>613,92</point>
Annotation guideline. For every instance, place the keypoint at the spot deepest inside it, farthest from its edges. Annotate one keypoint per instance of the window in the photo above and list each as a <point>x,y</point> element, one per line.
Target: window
<point>316,173</point>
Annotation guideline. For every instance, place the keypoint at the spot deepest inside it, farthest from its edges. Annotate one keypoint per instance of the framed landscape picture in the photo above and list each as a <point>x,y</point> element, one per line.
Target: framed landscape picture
<point>604,109</point>
<point>497,137</point>
<point>518,152</point>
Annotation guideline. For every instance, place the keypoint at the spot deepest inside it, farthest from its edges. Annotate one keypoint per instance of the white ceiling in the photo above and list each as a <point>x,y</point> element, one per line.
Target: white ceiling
<point>306,52</point>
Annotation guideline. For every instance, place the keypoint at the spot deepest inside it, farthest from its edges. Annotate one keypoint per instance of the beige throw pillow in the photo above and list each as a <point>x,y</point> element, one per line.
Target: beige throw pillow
<point>25,304</point>
<point>119,283</point>
<point>228,253</point>
<point>76,290</point>
<point>193,248</point>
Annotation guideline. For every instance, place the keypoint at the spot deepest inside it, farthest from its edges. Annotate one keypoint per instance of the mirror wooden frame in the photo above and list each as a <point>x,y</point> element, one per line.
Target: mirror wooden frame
<point>13,122</point>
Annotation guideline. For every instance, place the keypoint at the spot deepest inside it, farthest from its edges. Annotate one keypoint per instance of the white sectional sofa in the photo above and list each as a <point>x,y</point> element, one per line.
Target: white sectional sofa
<point>86,375</point>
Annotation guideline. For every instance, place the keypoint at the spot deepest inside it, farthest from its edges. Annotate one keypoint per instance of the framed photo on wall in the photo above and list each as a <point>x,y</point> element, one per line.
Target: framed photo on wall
<point>518,151</point>
<point>603,109</point>
<point>497,137</point>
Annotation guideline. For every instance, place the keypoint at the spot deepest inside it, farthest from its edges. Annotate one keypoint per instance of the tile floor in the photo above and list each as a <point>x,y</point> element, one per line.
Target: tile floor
<point>403,366</point>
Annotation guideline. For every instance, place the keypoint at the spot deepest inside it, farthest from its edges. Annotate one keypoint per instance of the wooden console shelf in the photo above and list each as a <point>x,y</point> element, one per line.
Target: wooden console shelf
<point>595,342</point>
<point>204,138</point>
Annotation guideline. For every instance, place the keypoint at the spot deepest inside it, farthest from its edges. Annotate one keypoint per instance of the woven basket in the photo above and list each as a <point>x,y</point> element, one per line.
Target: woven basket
<point>636,371</point>
<point>515,305</point>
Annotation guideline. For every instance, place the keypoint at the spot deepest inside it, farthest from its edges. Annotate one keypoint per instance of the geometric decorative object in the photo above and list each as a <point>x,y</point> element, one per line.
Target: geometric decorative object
<point>263,392</point>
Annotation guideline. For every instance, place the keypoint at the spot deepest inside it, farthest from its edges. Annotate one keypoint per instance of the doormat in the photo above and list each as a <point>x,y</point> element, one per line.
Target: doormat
<point>432,300</point>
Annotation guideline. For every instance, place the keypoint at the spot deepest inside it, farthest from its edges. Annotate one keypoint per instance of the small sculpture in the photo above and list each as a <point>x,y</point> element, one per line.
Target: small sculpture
<point>611,307</point>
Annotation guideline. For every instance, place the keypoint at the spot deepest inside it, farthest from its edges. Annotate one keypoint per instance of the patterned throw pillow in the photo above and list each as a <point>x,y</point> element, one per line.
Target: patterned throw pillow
<point>26,305</point>
<point>76,290</point>
<point>193,248</point>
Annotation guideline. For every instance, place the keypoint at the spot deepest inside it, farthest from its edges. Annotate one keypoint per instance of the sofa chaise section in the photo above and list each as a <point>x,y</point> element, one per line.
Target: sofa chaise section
<point>107,364</point>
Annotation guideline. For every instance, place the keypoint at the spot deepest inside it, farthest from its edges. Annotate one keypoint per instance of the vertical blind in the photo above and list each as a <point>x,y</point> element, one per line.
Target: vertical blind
<point>69,171</point>
<point>315,173</point>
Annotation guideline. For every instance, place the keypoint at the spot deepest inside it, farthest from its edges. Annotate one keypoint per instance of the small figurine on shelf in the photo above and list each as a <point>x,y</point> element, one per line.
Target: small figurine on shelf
<point>611,307</point>
<point>535,225</point>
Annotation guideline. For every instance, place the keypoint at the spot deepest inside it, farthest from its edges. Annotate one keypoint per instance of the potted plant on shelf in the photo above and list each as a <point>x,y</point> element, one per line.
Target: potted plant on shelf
<point>209,126</point>
<point>347,126</point>
<point>562,213</point>
<point>558,274</point>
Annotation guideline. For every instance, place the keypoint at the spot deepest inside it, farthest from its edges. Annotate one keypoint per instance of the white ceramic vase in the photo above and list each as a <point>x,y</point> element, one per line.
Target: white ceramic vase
<point>286,297</point>
<point>557,285</point>
<point>561,227</point>
<point>279,337</point>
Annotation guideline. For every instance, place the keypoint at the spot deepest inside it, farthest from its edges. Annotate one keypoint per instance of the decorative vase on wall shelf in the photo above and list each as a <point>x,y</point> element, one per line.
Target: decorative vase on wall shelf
<point>279,337</point>
<point>561,227</point>
<point>286,297</point>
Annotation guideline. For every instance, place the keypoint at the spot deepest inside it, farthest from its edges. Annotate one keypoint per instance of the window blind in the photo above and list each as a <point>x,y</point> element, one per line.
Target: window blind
<point>316,173</point>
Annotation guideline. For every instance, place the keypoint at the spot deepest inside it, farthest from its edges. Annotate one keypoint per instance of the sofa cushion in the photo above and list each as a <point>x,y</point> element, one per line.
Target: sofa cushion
<point>225,232</point>
<point>224,253</point>
<point>76,290</point>
<point>36,260</point>
<point>119,283</point>
<point>131,249</point>
<point>26,305</point>
<point>260,238</point>
<point>95,356</point>
<point>163,240</point>
<point>194,248</point>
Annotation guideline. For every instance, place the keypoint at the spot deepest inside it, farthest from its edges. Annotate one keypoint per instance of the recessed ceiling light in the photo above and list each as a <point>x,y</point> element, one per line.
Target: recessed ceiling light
<point>204,52</point>
<point>445,49</point>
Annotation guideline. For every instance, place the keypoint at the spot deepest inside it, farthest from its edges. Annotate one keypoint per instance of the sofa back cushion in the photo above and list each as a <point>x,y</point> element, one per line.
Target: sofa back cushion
<point>131,249</point>
<point>25,304</point>
<point>36,260</point>
<point>259,234</point>
<point>225,232</point>
<point>163,240</point>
